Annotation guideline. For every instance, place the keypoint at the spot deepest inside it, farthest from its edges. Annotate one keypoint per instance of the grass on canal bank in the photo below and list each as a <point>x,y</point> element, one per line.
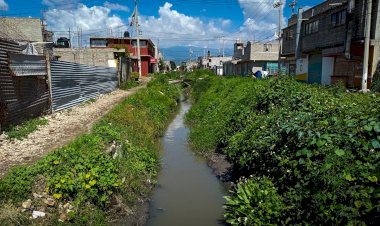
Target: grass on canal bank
<point>99,175</point>
<point>305,155</point>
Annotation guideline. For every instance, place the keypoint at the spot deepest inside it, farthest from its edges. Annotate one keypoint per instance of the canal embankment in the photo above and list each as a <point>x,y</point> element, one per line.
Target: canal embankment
<point>99,177</point>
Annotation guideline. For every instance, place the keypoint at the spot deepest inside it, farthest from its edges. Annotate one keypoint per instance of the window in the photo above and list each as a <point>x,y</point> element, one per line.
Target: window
<point>267,47</point>
<point>98,43</point>
<point>143,43</point>
<point>338,18</point>
<point>289,35</point>
<point>312,27</point>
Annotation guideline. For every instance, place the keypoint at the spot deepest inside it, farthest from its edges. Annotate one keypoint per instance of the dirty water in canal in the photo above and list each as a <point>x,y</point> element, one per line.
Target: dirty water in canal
<point>188,193</point>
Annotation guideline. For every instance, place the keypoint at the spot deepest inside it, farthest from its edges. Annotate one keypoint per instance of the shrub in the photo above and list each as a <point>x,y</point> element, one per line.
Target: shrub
<point>320,146</point>
<point>128,84</point>
<point>254,202</point>
<point>118,158</point>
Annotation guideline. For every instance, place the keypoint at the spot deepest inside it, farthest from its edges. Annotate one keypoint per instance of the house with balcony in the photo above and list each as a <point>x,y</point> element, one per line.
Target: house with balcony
<point>149,63</point>
<point>253,57</point>
<point>325,44</point>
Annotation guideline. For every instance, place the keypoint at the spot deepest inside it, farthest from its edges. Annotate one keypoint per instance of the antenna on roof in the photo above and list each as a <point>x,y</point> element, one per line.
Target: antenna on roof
<point>293,6</point>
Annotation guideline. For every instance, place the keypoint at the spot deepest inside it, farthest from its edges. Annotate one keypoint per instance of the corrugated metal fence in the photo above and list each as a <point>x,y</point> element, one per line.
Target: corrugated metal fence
<point>74,83</point>
<point>22,95</point>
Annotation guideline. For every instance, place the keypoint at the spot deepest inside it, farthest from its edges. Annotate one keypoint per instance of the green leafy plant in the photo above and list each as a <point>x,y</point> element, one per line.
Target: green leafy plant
<point>19,132</point>
<point>319,146</point>
<point>117,160</point>
<point>254,201</point>
<point>129,84</point>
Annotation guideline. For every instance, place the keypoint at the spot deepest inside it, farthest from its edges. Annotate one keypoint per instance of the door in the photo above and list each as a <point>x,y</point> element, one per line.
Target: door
<point>327,70</point>
<point>315,69</point>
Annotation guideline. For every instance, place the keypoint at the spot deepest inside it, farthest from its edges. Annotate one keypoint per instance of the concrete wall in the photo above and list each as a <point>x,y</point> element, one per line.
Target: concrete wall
<point>257,51</point>
<point>238,50</point>
<point>23,29</point>
<point>327,36</point>
<point>288,44</point>
<point>207,62</point>
<point>245,68</point>
<point>96,57</point>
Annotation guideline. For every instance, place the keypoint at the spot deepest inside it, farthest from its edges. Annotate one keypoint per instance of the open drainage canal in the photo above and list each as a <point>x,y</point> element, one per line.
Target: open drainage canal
<point>188,192</point>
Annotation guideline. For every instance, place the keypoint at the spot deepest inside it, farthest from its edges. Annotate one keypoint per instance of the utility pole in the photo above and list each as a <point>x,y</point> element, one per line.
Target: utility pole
<point>279,6</point>
<point>78,36</point>
<point>223,45</point>
<point>136,18</point>
<point>70,37</point>
<point>158,55</point>
<point>366,45</point>
<point>298,34</point>
<point>190,55</point>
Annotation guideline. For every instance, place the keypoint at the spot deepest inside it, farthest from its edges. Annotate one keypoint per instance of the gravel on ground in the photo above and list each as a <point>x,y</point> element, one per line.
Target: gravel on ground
<point>63,127</point>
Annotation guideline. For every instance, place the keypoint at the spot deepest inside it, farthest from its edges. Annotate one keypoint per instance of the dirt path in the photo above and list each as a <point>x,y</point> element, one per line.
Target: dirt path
<point>62,128</point>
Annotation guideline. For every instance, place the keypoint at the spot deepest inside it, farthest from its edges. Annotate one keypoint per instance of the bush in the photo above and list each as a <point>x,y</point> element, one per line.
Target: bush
<point>129,84</point>
<point>119,158</point>
<point>320,146</point>
<point>135,76</point>
<point>254,201</point>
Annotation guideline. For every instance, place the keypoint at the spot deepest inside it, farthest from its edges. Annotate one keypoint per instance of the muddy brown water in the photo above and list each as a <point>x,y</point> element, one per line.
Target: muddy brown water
<point>188,193</point>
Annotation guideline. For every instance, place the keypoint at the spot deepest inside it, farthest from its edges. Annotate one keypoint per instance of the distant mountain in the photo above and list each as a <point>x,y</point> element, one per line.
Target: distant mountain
<point>182,53</point>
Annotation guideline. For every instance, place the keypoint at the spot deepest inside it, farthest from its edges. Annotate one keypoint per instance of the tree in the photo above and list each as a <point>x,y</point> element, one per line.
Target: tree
<point>161,65</point>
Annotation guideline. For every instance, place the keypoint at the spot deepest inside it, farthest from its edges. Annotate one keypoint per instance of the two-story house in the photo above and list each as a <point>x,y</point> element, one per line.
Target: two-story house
<point>147,51</point>
<point>325,44</point>
<point>253,57</point>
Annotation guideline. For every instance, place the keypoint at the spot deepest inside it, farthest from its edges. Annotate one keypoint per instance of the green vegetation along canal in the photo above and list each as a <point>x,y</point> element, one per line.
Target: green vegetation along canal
<point>188,193</point>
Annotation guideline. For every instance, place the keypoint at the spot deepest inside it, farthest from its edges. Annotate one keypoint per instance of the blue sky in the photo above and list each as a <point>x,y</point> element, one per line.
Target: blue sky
<point>174,22</point>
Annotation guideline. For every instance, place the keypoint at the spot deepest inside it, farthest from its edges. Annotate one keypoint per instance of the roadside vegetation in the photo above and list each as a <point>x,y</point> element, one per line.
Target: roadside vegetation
<point>128,84</point>
<point>21,131</point>
<point>99,176</point>
<point>301,154</point>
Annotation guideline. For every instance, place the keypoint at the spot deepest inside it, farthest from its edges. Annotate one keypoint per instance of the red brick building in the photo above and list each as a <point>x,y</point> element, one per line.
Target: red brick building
<point>147,51</point>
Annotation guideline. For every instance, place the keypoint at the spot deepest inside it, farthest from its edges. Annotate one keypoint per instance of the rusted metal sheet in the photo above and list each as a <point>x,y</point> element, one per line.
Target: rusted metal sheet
<point>73,83</point>
<point>21,97</point>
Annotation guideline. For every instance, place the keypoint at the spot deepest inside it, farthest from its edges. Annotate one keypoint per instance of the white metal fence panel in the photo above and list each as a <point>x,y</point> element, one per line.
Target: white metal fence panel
<point>73,83</point>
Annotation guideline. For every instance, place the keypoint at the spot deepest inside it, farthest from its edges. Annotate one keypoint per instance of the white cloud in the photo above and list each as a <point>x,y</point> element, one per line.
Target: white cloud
<point>170,26</point>
<point>3,5</point>
<point>95,20</point>
<point>115,6</point>
<point>261,19</point>
<point>175,28</point>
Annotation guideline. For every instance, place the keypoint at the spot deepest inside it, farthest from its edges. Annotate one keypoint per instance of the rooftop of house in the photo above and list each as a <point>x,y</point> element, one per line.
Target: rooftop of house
<point>317,9</point>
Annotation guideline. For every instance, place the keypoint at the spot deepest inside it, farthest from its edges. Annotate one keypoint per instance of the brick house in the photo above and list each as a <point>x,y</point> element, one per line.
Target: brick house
<point>252,57</point>
<point>329,45</point>
<point>147,51</point>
